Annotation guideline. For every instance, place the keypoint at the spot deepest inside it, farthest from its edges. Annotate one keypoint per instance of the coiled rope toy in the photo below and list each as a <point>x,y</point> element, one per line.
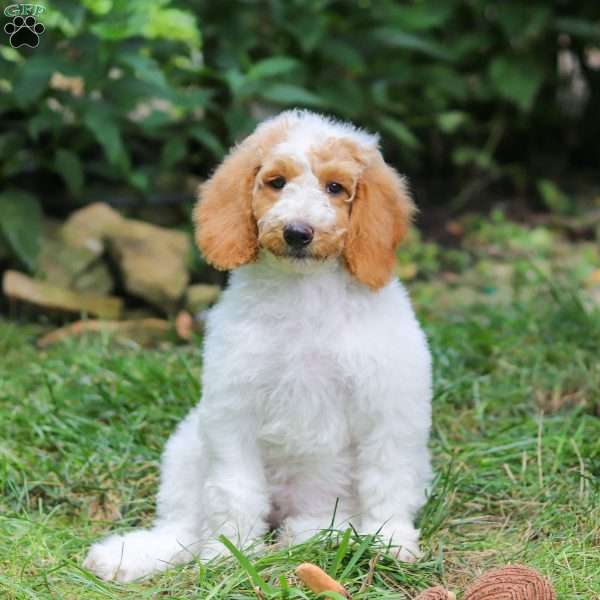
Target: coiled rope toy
<point>513,582</point>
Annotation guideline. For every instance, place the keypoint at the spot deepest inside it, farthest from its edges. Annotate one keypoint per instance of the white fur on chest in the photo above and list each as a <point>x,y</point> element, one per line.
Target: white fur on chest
<point>297,347</point>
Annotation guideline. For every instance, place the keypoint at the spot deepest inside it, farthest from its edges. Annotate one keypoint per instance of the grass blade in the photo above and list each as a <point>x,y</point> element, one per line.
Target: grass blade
<point>256,579</point>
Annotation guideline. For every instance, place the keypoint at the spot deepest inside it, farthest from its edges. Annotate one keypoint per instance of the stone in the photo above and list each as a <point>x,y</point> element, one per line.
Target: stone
<point>200,296</point>
<point>89,226</point>
<point>68,264</point>
<point>96,280</point>
<point>60,263</point>
<point>153,261</point>
<point>147,332</point>
<point>18,286</point>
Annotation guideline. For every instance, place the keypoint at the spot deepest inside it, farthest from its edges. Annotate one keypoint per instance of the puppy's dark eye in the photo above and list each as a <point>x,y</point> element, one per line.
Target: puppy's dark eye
<point>333,187</point>
<point>277,183</point>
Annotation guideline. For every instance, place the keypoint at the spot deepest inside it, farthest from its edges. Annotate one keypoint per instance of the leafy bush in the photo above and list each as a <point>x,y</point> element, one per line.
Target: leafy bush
<point>123,99</point>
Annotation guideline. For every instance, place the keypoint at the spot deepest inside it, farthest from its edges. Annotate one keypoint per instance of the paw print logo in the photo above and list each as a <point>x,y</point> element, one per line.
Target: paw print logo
<point>24,32</point>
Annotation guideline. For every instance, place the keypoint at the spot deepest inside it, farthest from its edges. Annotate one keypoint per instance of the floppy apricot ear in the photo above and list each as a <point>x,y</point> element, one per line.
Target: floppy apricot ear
<point>380,217</point>
<point>225,226</point>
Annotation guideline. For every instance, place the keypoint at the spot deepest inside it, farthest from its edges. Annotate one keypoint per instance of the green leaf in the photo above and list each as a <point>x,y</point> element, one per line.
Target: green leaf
<point>21,225</point>
<point>468,155</point>
<point>522,21</point>
<point>451,120</point>
<point>145,68</point>
<point>173,152</point>
<point>344,54</point>
<point>582,28</point>
<point>209,140</point>
<point>172,24</point>
<point>400,131</point>
<point>156,121</point>
<point>43,120</point>
<point>69,167</point>
<point>192,97</point>
<point>367,541</point>
<point>128,93</point>
<point>140,181</point>
<point>516,79</point>
<point>471,42</point>
<point>409,41</point>
<point>235,80</point>
<point>98,7</point>
<point>4,249</point>
<point>285,587</point>
<point>32,79</point>
<point>256,579</point>
<point>10,55</point>
<point>100,120</point>
<point>554,198</point>
<point>347,96</point>
<point>115,30</point>
<point>150,20</point>
<point>423,15</point>
<point>283,93</point>
<point>341,551</point>
<point>443,80</point>
<point>272,67</point>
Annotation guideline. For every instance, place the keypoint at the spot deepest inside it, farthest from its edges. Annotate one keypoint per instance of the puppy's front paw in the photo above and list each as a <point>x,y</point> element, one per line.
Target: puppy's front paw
<point>402,539</point>
<point>136,555</point>
<point>115,558</point>
<point>406,551</point>
<point>297,530</point>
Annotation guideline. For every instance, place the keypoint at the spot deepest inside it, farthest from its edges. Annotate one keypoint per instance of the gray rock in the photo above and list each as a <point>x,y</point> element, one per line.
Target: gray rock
<point>97,279</point>
<point>88,227</point>
<point>153,261</point>
<point>18,286</point>
<point>60,263</point>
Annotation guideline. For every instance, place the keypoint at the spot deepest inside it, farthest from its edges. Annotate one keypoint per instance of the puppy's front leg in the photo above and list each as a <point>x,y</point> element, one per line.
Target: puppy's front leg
<point>391,491</point>
<point>393,467</point>
<point>236,495</point>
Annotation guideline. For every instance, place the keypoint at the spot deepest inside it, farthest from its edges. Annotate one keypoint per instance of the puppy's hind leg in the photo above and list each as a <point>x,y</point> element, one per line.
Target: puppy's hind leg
<point>177,533</point>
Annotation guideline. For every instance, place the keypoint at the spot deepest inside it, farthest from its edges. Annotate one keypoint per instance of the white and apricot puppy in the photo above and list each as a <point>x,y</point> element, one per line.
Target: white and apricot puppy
<point>317,377</point>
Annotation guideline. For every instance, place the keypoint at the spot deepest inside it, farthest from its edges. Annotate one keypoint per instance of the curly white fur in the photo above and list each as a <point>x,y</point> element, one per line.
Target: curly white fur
<point>316,391</point>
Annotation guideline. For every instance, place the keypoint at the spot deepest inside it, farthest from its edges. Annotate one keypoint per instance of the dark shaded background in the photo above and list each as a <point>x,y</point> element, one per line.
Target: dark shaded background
<point>133,102</point>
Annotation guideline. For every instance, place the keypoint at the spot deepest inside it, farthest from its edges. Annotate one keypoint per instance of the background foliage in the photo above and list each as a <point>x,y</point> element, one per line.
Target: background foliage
<point>123,100</point>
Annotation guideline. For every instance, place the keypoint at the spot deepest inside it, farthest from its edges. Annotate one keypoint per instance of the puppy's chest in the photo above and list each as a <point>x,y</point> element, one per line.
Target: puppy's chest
<point>304,396</point>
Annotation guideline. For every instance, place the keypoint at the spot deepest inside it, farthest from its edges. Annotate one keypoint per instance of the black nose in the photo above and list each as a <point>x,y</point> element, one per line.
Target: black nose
<point>298,235</point>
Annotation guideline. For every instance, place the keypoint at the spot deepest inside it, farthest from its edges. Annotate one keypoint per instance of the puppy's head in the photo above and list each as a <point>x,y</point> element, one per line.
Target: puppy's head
<point>305,189</point>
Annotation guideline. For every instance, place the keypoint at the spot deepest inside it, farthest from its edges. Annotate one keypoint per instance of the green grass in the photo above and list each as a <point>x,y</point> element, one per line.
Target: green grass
<point>516,443</point>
